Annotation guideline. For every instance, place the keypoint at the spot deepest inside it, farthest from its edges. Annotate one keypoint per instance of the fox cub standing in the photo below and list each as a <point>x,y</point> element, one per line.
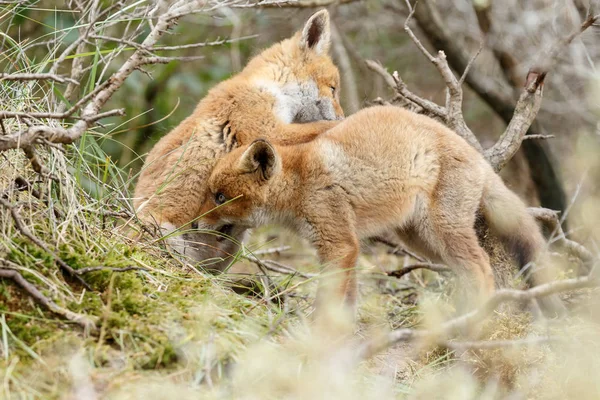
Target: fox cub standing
<point>382,169</point>
<point>278,96</point>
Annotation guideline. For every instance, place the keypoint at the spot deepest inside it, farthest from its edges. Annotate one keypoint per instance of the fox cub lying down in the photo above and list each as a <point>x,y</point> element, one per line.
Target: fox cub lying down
<point>382,169</point>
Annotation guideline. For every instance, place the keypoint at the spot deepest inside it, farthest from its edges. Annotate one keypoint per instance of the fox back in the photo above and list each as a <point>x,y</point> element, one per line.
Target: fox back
<point>383,169</point>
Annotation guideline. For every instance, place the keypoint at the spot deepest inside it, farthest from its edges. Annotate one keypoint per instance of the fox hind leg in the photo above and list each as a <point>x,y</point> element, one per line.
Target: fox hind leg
<point>446,224</point>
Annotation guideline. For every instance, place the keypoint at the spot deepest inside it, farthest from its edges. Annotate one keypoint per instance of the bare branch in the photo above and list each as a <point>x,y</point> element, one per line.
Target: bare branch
<point>411,12</point>
<point>497,96</point>
<point>217,42</point>
<point>124,41</point>
<point>373,346</point>
<point>27,233</point>
<point>529,102</point>
<point>548,58</point>
<point>166,60</point>
<point>454,115</point>
<point>431,24</point>
<point>86,322</point>
<point>276,266</point>
<point>35,162</point>
<point>396,249</point>
<point>531,137</point>
<point>101,94</point>
<point>550,218</point>
<point>106,114</point>
<point>422,265</point>
<point>471,62</point>
<point>398,85</point>
<point>36,77</point>
<point>526,110</point>
<point>86,270</point>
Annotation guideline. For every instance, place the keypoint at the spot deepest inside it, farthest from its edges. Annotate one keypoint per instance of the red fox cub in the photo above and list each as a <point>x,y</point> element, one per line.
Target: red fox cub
<point>382,169</point>
<point>279,95</point>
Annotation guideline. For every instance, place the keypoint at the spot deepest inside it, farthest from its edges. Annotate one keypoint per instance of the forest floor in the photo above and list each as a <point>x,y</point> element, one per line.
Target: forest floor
<point>167,329</point>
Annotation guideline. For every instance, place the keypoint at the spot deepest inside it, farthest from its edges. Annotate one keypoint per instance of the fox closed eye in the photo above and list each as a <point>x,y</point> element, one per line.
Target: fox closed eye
<point>333,90</point>
<point>220,198</point>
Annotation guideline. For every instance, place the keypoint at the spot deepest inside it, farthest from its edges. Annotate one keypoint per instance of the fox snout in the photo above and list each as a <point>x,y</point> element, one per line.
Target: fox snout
<point>322,109</point>
<point>224,230</point>
<point>328,111</point>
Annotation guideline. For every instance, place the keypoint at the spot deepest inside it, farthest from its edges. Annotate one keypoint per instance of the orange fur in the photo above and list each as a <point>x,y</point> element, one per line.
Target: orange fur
<point>382,169</point>
<point>284,94</point>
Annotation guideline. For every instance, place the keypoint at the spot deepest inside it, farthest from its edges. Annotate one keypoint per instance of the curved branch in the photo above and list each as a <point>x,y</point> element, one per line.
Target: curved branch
<point>373,346</point>
<point>86,322</point>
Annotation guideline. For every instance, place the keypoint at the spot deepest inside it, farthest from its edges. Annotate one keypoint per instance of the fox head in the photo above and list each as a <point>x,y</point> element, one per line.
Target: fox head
<point>300,74</point>
<point>238,186</point>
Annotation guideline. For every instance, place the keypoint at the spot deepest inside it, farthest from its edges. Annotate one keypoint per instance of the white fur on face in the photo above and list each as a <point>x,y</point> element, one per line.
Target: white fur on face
<point>299,102</point>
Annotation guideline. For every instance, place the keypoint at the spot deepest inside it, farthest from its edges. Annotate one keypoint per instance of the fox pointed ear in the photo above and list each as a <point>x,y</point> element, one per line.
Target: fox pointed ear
<point>316,34</point>
<point>260,157</point>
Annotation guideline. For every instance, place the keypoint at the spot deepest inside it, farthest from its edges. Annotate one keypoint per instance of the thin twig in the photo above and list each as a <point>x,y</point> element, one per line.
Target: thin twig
<point>274,250</point>
<point>471,62</point>
<point>397,249</point>
<point>88,323</point>
<point>423,265</point>
<point>166,60</point>
<point>276,266</point>
<point>36,77</point>
<point>87,270</point>
<point>21,184</point>
<point>217,42</point>
<point>532,137</point>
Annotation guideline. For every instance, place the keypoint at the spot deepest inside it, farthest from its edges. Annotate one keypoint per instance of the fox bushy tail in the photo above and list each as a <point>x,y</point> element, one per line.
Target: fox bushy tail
<point>507,218</point>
